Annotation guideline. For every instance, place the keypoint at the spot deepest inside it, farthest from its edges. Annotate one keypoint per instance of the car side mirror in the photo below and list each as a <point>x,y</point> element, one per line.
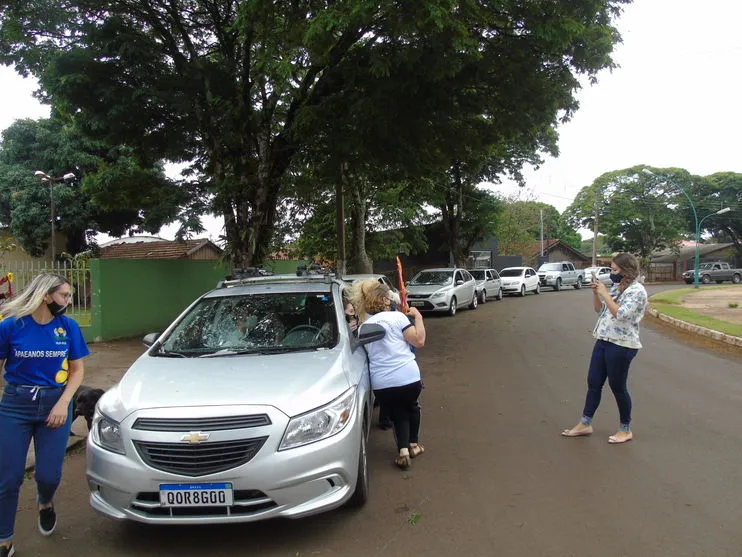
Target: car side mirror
<point>370,333</point>
<point>459,282</point>
<point>150,339</point>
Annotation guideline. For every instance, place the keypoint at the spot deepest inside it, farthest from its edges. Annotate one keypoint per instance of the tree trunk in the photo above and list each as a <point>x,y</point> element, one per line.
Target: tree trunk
<point>452,212</point>
<point>360,262</point>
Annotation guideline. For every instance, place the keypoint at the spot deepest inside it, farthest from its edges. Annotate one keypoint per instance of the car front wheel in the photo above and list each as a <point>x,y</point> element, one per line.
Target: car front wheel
<point>360,495</point>
<point>452,307</point>
<point>537,290</point>
<point>578,284</point>
<point>499,293</point>
<point>473,304</point>
<point>736,279</point>
<point>706,279</point>
<point>558,285</point>
<point>522,290</point>
<point>483,297</point>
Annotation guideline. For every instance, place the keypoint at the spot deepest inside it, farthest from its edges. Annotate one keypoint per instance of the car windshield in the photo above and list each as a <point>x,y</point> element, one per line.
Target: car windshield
<point>595,270</point>
<point>550,267</point>
<point>511,272</point>
<point>477,274</point>
<point>438,278</point>
<point>706,266</point>
<point>256,323</point>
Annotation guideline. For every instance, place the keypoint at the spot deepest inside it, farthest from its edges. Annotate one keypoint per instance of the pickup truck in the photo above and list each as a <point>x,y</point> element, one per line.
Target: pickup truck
<point>560,274</point>
<point>717,271</point>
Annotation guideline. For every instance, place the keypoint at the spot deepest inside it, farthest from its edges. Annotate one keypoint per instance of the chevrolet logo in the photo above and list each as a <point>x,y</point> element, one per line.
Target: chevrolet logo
<point>194,437</point>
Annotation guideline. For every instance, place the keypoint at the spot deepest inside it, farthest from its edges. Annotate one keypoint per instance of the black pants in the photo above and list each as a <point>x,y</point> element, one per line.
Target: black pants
<point>400,404</point>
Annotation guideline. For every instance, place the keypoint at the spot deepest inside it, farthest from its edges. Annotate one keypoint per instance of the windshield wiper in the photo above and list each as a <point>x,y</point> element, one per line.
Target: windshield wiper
<point>227,352</point>
<point>166,354</point>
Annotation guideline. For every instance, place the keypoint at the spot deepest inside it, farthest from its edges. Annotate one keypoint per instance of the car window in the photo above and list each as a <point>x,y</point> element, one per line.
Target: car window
<point>494,274</point>
<point>256,323</point>
<point>478,274</point>
<point>384,280</point>
<point>487,275</point>
<point>511,273</point>
<point>550,267</point>
<point>459,276</point>
<point>436,278</point>
<point>565,267</point>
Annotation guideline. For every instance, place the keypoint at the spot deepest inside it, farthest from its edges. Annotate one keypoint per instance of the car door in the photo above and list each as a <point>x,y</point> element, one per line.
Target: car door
<point>496,281</point>
<point>568,274</point>
<point>469,286</point>
<point>529,279</point>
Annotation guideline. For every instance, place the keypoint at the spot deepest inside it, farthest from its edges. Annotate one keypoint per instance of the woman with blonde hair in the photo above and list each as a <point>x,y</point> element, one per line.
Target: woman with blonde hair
<point>616,344</point>
<point>395,376</point>
<point>41,351</point>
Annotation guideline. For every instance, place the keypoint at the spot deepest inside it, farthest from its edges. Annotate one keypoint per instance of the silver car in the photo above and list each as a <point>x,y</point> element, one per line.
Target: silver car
<point>255,403</point>
<point>442,290</point>
<point>603,274</point>
<point>489,284</point>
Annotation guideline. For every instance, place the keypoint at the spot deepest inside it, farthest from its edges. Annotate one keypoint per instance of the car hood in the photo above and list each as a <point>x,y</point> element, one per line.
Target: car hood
<point>293,383</point>
<point>426,289</point>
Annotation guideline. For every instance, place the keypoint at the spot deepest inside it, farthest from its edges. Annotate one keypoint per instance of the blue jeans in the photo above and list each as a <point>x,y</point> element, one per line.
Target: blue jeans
<point>23,411</point>
<point>610,361</point>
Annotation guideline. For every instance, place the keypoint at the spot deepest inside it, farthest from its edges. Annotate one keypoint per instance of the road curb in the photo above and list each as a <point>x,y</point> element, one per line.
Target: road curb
<point>697,329</point>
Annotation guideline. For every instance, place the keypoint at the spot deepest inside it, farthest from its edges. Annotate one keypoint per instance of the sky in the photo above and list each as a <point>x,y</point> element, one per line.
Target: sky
<point>674,101</point>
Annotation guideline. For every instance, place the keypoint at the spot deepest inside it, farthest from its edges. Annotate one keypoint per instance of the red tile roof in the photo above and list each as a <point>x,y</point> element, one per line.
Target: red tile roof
<point>158,250</point>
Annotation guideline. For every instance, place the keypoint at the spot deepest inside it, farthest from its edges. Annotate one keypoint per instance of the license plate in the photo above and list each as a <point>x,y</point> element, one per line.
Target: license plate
<point>196,495</point>
<point>417,303</point>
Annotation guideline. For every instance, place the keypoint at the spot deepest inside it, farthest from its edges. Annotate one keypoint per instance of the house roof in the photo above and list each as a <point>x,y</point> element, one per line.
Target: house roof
<point>549,245</point>
<point>685,252</point>
<point>157,250</point>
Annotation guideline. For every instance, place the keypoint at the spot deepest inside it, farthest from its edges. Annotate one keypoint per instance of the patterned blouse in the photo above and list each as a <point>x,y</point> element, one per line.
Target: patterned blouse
<point>623,329</point>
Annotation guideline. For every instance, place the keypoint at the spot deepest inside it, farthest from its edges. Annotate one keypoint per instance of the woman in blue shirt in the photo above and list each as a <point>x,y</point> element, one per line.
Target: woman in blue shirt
<point>41,351</point>
<point>616,344</point>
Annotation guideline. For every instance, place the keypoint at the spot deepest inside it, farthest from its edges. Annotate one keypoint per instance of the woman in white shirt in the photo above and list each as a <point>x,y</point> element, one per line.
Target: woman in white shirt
<point>616,344</point>
<point>395,376</point>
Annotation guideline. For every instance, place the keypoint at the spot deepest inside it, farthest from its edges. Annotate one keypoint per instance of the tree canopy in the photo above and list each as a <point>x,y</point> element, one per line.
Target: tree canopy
<point>237,89</point>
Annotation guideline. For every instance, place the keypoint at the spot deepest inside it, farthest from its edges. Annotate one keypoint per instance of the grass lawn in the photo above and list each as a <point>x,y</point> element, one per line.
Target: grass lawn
<point>684,314</point>
<point>677,296</point>
<point>83,317</point>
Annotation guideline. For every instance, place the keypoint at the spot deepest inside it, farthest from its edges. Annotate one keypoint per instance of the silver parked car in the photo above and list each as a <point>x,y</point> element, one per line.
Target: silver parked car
<point>489,284</point>
<point>442,289</point>
<point>603,274</point>
<point>255,403</point>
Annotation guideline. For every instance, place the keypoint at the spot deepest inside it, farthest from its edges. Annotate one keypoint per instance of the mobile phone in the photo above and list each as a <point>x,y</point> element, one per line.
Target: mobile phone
<point>595,277</point>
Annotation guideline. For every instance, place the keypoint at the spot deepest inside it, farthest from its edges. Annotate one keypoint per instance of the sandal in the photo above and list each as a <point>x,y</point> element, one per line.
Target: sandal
<point>572,432</point>
<point>615,440</point>
<point>416,450</point>
<point>402,461</point>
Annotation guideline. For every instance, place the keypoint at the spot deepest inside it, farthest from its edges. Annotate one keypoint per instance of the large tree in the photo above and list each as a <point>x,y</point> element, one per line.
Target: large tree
<point>718,191</point>
<point>111,192</point>
<point>231,86</point>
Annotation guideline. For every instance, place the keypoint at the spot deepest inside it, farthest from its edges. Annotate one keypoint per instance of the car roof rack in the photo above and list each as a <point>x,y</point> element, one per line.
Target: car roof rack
<point>252,275</point>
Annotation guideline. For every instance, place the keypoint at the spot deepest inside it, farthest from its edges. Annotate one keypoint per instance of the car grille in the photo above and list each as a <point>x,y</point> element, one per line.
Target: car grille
<point>417,296</point>
<point>246,502</point>
<point>200,424</point>
<point>198,459</point>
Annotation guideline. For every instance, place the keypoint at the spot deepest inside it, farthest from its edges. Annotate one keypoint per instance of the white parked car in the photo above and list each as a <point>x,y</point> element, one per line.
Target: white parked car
<point>442,290</point>
<point>519,280</point>
<point>488,284</point>
<point>602,273</point>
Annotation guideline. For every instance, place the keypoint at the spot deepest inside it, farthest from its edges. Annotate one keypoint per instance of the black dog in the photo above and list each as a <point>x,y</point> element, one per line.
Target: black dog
<point>83,403</point>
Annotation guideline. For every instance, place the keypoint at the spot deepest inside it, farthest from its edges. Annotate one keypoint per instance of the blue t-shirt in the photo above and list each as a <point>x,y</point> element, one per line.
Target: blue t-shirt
<point>39,354</point>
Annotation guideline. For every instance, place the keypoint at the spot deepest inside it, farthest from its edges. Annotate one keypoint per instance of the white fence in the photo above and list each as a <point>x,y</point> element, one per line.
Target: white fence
<point>76,272</point>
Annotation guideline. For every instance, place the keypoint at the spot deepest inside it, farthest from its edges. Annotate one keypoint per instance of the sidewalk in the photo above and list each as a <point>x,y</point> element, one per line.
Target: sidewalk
<point>107,362</point>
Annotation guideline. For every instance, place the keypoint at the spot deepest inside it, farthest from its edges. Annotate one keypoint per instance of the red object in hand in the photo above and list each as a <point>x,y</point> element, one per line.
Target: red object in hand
<point>402,290</point>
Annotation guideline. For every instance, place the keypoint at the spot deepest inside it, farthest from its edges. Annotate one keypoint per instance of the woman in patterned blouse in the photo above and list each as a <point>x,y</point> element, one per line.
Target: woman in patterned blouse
<point>616,344</point>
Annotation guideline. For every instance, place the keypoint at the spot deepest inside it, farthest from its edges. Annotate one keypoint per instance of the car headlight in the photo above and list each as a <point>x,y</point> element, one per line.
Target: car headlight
<point>549,276</point>
<point>107,434</point>
<point>320,423</point>
<point>439,294</point>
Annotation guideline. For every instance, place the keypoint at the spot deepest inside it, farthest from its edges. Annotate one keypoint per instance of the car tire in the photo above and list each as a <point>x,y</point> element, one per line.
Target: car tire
<point>719,281</point>
<point>483,297</point>
<point>706,279</point>
<point>522,290</point>
<point>537,290</point>
<point>360,495</point>
<point>558,285</point>
<point>499,293</point>
<point>578,284</point>
<point>736,279</point>
<point>474,302</point>
<point>452,307</point>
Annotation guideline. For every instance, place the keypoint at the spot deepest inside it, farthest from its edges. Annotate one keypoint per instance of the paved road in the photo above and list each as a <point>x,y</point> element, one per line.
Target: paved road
<point>497,478</point>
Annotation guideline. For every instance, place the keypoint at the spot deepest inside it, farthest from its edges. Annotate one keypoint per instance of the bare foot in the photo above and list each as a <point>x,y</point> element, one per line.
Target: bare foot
<point>580,429</point>
<point>621,436</point>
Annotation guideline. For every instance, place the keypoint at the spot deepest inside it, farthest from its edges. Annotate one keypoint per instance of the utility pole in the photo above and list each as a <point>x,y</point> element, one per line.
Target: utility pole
<point>542,234</point>
<point>595,235</point>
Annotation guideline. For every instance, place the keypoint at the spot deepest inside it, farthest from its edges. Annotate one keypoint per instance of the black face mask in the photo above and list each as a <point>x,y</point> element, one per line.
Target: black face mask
<point>616,277</point>
<point>392,306</point>
<point>56,309</point>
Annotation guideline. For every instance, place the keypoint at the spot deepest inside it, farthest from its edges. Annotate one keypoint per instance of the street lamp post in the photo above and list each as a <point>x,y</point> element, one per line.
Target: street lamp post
<point>695,218</point>
<point>44,177</point>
